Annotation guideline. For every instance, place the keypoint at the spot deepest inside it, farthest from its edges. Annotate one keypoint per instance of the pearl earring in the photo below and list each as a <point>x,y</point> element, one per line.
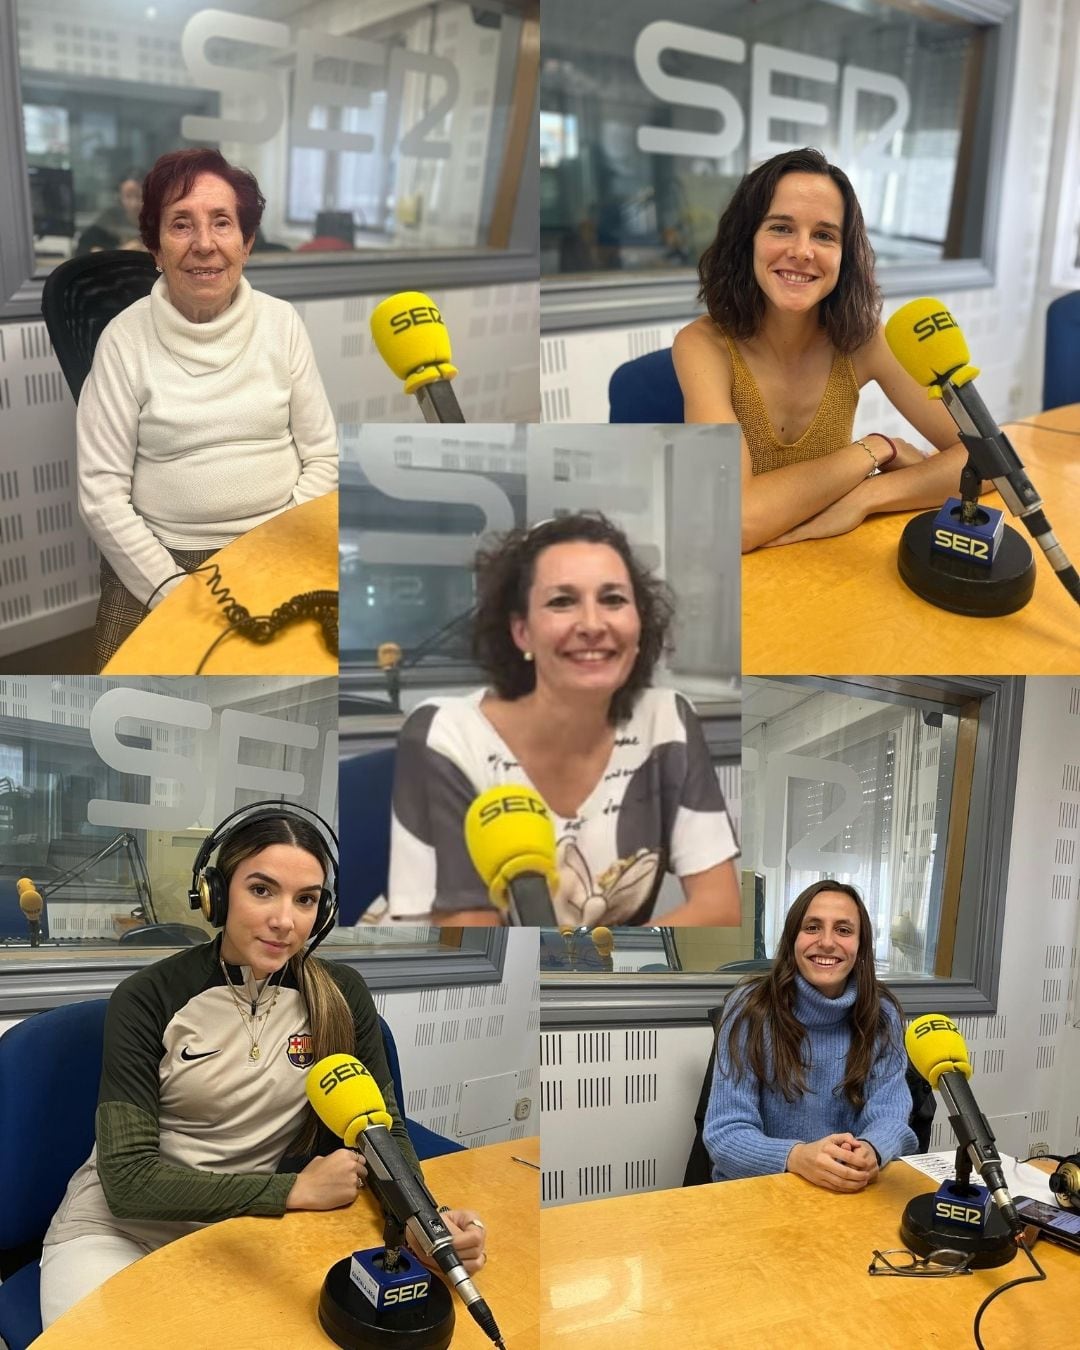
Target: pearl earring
<point>527,655</point>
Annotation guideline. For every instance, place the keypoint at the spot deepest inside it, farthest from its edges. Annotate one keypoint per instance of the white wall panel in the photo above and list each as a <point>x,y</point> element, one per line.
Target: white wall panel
<point>447,1035</point>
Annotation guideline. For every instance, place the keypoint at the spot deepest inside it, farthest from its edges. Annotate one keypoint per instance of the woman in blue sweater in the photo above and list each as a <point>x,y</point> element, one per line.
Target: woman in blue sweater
<point>809,1059</point>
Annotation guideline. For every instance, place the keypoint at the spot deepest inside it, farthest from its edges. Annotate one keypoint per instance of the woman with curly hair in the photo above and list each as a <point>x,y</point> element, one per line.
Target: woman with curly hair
<point>569,628</point>
<point>791,335</point>
<point>810,1063</point>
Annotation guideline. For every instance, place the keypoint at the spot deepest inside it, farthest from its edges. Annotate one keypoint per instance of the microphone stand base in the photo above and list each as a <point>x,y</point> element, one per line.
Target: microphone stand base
<point>352,1322</point>
<point>966,587</point>
<point>922,1234</point>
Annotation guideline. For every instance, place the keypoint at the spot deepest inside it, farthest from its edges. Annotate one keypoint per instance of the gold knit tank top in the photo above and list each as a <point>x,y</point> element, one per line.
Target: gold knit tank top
<point>829,429</point>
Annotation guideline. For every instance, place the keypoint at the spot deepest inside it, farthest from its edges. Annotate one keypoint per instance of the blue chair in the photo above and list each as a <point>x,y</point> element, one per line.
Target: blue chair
<point>1061,364</point>
<point>50,1065</point>
<point>646,390</point>
<point>426,1143</point>
<point>365,794</point>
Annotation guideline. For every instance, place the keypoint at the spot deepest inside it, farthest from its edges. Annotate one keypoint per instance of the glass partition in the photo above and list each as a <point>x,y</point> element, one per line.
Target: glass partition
<point>416,502</point>
<point>372,128</point>
<point>649,120</point>
<point>109,786</point>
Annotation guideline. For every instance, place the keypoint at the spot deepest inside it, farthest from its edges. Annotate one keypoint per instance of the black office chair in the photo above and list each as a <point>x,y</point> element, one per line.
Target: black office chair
<point>84,294</point>
<point>699,1164</point>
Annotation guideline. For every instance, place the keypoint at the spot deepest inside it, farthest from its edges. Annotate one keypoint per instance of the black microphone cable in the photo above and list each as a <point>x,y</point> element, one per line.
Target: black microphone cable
<point>1010,1284</point>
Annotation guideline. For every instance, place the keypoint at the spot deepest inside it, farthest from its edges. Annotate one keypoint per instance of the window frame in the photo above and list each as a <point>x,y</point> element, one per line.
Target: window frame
<point>32,987</point>
<point>590,301</point>
<point>680,999</point>
<point>381,273</point>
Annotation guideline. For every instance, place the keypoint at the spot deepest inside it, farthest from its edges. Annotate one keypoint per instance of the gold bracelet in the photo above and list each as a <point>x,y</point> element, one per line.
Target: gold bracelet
<point>870,452</point>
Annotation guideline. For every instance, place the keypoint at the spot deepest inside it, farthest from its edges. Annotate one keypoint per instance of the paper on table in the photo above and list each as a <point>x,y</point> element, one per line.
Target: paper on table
<point>1020,1178</point>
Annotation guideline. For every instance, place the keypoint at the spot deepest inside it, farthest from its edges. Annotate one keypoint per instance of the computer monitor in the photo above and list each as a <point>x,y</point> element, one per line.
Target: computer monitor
<point>52,201</point>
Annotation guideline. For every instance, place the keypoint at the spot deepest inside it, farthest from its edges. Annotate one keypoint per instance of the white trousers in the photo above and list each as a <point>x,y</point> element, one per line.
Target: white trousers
<point>71,1270</point>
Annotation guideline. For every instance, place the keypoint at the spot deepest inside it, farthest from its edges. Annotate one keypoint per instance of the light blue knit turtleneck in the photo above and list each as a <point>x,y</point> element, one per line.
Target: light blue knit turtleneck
<point>750,1129</point>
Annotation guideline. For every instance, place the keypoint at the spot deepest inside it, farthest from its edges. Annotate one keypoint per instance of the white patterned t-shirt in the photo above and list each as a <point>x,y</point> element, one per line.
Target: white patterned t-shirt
<point>656,808</point>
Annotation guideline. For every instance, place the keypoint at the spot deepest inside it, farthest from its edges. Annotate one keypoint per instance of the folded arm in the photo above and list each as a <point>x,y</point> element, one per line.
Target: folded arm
<point>311,421</point>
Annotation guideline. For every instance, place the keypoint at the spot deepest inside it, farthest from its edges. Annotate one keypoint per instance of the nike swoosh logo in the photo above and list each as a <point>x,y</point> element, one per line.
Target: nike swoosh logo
<point>205,1054</point>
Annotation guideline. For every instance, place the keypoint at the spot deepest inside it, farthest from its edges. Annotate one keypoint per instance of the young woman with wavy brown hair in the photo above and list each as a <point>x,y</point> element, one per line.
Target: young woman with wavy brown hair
<point>791,334</point>
<point>810,1064</point>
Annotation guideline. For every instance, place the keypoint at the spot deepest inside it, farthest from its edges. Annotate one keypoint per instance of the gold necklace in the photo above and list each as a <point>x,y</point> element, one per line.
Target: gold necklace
<point>254,1032</point>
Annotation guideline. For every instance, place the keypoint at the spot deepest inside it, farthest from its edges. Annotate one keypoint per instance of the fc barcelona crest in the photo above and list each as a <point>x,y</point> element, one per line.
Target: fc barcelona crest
<point>301,1051</point>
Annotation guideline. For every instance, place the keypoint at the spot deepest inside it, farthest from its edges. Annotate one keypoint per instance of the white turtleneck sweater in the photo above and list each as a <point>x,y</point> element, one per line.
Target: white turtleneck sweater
<point>190,434</point>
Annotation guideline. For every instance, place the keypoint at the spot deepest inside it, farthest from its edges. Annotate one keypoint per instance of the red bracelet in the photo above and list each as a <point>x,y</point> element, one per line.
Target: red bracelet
<point>891,446</point>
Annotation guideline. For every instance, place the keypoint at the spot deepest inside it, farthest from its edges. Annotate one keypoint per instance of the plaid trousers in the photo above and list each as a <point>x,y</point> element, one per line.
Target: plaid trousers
<point>119,613</point>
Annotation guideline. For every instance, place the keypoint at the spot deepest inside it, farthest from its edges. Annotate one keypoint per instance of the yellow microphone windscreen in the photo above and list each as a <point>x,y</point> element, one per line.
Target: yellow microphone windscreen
<point>927,341</point>
<point>412,339</point>
<point>30,902</point>
<point>508,831</point>
<point>345,1097</point>
<point>23,884</point>
<point>935,1046</point>
<point>603,941</point>
<point>388,655</point>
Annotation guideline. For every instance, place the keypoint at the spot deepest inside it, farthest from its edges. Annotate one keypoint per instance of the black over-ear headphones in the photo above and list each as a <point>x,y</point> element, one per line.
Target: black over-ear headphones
<point>210,892</point>
<point>1065,1183</point>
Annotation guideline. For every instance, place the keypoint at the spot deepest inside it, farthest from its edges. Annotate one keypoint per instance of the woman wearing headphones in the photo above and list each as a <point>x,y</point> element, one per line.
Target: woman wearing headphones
<point>202,1113</point>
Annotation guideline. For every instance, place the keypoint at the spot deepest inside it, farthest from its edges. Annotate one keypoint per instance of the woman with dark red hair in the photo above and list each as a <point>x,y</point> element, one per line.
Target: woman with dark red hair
<point>203,415</point>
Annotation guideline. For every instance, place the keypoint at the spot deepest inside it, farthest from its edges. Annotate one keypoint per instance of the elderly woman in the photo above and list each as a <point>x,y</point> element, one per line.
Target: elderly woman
<point>791,335</point>
<point>569,628</point>
<point>203,414</point>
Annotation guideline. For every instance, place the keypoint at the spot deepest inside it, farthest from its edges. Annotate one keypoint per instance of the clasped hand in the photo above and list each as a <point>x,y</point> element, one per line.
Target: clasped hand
<point>839,1162</point>
<point>329,1182</point>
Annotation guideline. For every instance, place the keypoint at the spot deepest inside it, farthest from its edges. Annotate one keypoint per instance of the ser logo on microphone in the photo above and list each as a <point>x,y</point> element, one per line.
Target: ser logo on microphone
<point>407,1293</point>
<point>329,1081</point>
<point>414,317</point>
<point>962,543</point>
<point>934,323</point>
<point>505,806</point>
<point>929,1024</point>
<point>964,1214</point>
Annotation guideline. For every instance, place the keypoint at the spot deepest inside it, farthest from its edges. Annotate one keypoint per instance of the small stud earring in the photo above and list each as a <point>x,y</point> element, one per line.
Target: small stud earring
<point>528,656</point>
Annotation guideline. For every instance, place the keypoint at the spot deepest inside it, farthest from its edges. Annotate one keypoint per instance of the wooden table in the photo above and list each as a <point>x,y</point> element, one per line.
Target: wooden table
<point>838,606</point>
<point>253,1284</point>
<point>775,1262</point>
<point>292,553</point>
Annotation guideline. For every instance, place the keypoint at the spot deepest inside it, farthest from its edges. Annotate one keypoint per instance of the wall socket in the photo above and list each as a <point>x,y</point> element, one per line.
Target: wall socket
<point>522,1107</point>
